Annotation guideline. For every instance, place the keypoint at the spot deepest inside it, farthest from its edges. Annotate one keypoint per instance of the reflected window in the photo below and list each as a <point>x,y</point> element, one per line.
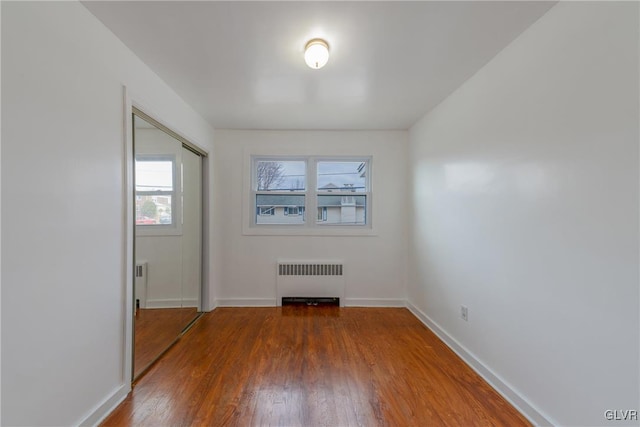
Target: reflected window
<point>155,190</point>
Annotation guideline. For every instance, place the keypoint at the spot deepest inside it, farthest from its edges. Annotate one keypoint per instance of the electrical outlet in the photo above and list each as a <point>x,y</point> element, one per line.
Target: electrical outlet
<point>464,313</point>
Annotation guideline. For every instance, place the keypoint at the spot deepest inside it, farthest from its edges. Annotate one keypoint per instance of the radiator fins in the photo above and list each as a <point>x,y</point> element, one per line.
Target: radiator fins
<point>310,269</point>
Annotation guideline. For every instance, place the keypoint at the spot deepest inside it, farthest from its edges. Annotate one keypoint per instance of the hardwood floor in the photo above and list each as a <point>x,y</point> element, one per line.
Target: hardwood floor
<point>155,330</point>
<point>312,366</point>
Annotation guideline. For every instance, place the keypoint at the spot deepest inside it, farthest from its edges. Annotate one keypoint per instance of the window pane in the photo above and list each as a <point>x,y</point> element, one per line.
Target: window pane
<point>277,175</point>
<point>154,175</point>
<point>152,210</point>
<point>266,210</point>
<point>342,209</point>
<point>342,176</point>
<point>322,214</point>
<point>279,209</point>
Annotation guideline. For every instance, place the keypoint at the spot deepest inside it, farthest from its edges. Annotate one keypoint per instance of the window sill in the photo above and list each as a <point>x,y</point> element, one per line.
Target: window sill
<point>158,231</point>
<point>325,230</point>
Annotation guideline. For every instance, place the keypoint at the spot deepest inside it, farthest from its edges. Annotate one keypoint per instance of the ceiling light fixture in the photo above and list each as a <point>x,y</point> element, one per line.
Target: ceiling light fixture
<point>316,53</point>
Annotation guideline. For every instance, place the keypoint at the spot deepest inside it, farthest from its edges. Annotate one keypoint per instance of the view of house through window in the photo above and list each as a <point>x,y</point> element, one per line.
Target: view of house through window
<point>341,187</point>
<point>154,191</point>
<point>284,190</point>
<point>280,195</point>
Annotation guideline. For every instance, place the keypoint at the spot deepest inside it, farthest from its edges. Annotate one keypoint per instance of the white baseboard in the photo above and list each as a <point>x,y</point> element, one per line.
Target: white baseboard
<point>100,412</point>
<point>246,302</point>
<point>272,302</point>
<point>374,302</point>
<point>171,303</point>
<point>509,393</point>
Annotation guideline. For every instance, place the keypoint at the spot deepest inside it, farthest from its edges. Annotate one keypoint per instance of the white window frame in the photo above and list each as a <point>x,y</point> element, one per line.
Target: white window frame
<point>311,225</point>
<point>175,227</point>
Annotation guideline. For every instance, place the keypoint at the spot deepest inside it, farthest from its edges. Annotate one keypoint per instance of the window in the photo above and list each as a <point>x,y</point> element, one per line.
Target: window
<point>266,210</point>
<point>285,188</point>
<point>342,192</point>
<point>293,210</point>
<point>280,187</point>
<point>322,214</point>
<point>155,190</point>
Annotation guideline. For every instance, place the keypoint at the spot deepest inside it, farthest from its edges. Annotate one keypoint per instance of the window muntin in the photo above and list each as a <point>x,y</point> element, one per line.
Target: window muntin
<point>155,190</point>
<point>338,189</point>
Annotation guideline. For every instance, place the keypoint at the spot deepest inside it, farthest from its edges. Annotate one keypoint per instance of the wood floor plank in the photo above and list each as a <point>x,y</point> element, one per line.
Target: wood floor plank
<point>155,330</point>
<point>312,366</point>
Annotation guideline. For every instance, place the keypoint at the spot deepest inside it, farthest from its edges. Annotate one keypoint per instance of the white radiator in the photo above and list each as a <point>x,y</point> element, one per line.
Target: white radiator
<point>140,285</point>
<point>310,279</point>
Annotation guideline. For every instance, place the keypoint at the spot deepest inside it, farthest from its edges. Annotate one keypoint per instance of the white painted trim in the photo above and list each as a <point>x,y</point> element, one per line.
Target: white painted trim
<point>205,291</point>
<point>299,230</point>
<point>182,136</point>
<point>128,237</point>
<point>100,412</point>
<point>374,302</point>
<point>310,228</point>
<point>246,302</point>
<point>172,303</point>
<point>272,302</point>
<point>0,216</point>
<point>527,409</point>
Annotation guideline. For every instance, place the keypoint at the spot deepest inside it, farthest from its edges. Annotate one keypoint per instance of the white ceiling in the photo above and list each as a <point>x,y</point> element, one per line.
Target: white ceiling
<point>241,65</point>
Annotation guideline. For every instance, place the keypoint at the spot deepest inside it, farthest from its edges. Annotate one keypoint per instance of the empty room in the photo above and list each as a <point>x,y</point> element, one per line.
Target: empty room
<point>320,213</point>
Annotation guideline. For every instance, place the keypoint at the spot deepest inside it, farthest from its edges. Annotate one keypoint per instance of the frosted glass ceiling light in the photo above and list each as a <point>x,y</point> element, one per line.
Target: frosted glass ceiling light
<point>316,53</point>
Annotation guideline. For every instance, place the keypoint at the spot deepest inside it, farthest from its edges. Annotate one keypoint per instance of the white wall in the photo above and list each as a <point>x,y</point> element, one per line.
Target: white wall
<point>525,209</point>
<point>63,208</point>
<point>375,265</point>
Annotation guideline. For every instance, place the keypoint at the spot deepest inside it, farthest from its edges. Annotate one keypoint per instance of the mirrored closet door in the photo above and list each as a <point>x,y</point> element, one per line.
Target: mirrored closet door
<point>168,245</point>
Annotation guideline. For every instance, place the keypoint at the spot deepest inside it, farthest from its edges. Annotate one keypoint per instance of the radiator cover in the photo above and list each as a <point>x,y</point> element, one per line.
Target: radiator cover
<point>140,284</point>
<point>310,279</point>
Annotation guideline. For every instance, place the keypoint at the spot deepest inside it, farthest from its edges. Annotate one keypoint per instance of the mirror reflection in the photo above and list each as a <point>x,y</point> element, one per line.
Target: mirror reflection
<point>168,209</point>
